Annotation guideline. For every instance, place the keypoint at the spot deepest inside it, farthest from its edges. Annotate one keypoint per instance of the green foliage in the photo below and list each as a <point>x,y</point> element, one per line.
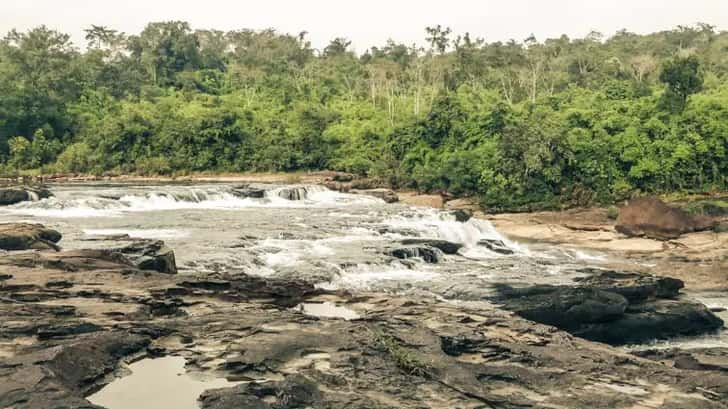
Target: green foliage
<point>405,358</point>
<point>612,212</point>
<point>76,158</point>
<point>683,78</point>
<point>563,122</point>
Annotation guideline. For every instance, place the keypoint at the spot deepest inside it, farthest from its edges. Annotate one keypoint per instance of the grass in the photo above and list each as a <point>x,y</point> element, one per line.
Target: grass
<point>403,357</point>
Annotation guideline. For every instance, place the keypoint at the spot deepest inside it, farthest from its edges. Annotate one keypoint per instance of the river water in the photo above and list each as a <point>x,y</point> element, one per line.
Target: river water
<point>333,239</point>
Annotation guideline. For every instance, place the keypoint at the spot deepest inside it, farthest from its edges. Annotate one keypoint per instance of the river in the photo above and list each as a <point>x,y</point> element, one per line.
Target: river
<point>336,240</point>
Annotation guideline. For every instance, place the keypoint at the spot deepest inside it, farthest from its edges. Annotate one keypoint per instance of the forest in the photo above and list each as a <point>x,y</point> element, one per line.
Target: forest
<point>534,123</point>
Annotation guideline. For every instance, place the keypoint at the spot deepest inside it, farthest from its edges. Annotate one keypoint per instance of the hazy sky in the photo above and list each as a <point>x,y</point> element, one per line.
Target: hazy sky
<point>371,22</point>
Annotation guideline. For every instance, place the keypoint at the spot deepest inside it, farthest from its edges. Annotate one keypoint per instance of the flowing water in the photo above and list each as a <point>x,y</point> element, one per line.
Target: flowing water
<point>333,239</point>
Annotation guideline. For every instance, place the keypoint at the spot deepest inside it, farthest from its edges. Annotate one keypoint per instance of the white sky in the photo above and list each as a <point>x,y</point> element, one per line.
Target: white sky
<point>371,22</point>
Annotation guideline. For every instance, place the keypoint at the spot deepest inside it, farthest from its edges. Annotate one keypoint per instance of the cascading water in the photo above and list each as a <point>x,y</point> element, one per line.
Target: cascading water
<point>114,202</point>
<point>33,196</point>
<point>435,224</point>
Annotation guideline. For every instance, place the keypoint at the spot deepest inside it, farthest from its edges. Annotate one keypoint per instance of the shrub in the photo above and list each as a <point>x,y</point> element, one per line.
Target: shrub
<point>613,212</point>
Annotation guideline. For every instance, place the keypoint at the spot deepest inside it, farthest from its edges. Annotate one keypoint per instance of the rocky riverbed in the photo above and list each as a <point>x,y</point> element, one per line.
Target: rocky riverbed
<point>309,298</point>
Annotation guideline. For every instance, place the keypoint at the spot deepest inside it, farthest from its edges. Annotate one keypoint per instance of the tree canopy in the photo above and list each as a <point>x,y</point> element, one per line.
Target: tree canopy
<point>518,124</point>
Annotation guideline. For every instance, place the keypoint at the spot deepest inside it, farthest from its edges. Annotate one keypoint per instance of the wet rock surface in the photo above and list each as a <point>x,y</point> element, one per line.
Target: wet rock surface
<point>427,254</point>
<point>445,246</point>
<point>497,246</point>
<point>61,342</point>
<point>613,307</point>
<point>14,195</point>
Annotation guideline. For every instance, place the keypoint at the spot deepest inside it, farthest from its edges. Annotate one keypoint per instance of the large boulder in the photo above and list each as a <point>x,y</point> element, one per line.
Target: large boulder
<point>11,196</point>
<point>650,217</point>
<point>151,255</point>
<point>26,236</point>
<point>613,307</point>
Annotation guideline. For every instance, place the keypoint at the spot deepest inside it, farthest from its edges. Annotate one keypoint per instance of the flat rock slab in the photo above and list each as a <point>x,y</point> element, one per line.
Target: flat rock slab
<point>404,352</point>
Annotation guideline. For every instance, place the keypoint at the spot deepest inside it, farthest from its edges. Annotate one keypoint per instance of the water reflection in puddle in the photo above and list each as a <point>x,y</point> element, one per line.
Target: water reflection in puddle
<point>328,310</point>
<point>156,384</point>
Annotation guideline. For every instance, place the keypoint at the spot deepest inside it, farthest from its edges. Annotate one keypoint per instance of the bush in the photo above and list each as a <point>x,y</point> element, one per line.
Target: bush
<point>613,212</point>
<point>153,166</point>
<point>75,159</point>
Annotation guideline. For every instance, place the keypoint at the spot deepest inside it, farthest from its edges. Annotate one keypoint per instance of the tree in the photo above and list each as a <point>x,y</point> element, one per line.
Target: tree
<point>101,36</point>
<point>166,49</point>
<point>438,38</point>
<point>683,77</point>
<point>338,46</point>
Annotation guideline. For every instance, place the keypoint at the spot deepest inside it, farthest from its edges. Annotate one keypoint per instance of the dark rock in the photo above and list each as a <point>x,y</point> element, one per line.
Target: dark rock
<point>151,255</point>
<point>59,284</point>
<point>247,191</point>
<point>160,308</point>
<point>343,177</point>
<point>462,215</point>
<point>65,330</point>
<point>427,254</point>
<point>496,246</point>
<point>208,284</point>
<point>295,392</point>
<point>651,217</point>
<point>634,287</point>
<point>613,307</point>
<point>661,319</point>
<point>24,236</point>
<point>60,376</point>
<point>567,308</point>
<point>713,359</point>
<point>295,193</point>
<point>445,246</point>
<point>11,196</point>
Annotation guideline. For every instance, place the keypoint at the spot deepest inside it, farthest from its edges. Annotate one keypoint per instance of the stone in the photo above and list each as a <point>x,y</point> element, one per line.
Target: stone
<point>650,217</point>
<point>25,236</point>
<point>14,195</point>
<point>249,191</point>
<point>496,246</point>
<point>635,287</point>
<point>462,215</point>
<point>613,307</point>
<point>427,254</point>
<point>445,246</point>
<point>151,255</point>
<point>567,308</point>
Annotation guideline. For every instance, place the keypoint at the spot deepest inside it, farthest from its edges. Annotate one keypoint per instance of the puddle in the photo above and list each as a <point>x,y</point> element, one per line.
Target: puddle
<point>156,384</point>
<point>328,310</point>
